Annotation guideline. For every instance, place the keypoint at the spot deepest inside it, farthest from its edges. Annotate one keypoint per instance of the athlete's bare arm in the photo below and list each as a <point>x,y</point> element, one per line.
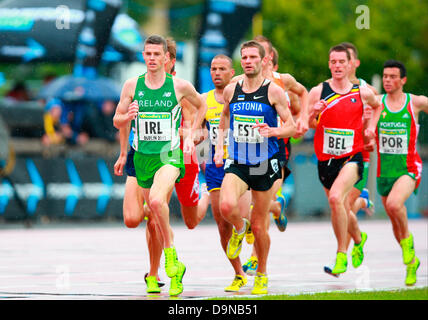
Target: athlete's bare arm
<point>189,115</point>
<point>369,98</point>
<point>368,115</point>
<point>420,103</point>
<point>185,89</point>
<point>123,141</point>
<point>294,87</point>
<point>295,105</point>
<point>204,132</point>
<point>315,105</point>
<point>300,110</point>
<point>372,89</point>
<point>124,111</point>
<point>237,78</point>
<point>224,123</point>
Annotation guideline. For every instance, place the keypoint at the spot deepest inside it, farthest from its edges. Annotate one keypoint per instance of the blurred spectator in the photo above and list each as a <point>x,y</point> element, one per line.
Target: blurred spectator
<point>19,92</point>
<point>71,122</point>
<point>48,78</point>
<point>51,121</point>
<point>99,120</point>
<point>75,122</point>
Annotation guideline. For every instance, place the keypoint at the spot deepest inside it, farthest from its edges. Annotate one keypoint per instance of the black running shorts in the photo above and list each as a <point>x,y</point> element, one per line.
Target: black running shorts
<point>258,177</point>
<point>329,170</point>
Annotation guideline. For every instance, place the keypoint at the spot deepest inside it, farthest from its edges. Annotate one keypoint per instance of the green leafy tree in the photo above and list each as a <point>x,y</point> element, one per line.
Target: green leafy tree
<point>304,30</point>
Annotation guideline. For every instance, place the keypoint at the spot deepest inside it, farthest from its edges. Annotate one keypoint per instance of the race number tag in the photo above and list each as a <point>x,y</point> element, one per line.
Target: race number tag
<point>154,126</point>
<point>393,141</point>
<point>338,141</point>
<point>214,132</point>
<point>243,130</point>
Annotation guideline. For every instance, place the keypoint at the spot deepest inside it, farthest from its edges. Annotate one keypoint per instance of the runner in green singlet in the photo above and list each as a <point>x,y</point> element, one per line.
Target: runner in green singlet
<point>399,165</point>
<point>151,101</point>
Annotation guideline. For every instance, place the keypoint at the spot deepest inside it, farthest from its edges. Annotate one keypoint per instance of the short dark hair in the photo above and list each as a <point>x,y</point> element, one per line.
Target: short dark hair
<point>254,44</point>
<point>275,56</point>
<point>351,46</point>
<point>340,48</point>
<point>396,64</point>
<point>261,38</point>
<point>172,49</point>
<point>155,39</point>
<point>223,56</point>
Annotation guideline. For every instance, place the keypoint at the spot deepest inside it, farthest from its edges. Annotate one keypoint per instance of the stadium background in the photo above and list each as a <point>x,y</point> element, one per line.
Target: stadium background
<point>77,183</point>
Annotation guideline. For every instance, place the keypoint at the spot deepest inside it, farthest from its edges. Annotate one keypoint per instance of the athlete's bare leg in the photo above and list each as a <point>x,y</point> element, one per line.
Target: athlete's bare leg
<point>259,226</point>
<point>133,212</point>
<point>231,191</point>
<point>394,205</point>
<point>157,198</point>
<point>353,205</point>
<point>224,229</point>
<point>344,182</point>
<point>193,215</point>
<point>275,206</point>
<point>154,245</point>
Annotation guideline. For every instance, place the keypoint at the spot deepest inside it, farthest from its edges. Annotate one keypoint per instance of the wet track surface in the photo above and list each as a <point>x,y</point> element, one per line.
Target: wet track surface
<point>108,261</point>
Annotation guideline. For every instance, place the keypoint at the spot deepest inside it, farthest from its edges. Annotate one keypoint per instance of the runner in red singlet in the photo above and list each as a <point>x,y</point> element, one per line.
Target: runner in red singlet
<point>336,113</point>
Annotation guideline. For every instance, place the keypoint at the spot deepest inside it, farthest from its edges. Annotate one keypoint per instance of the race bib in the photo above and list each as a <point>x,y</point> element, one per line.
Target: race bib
<point>393,141</point>
<point>214,132</point>
<point>338,141</point>
<point>243,130</point>
<point>154,126</point>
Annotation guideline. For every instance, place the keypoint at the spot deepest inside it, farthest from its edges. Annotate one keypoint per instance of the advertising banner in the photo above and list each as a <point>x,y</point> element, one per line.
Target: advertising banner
<point>224,24</point>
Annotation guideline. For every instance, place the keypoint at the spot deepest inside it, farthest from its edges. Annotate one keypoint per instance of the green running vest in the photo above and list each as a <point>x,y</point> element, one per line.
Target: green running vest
<point>396,140</point>
<point>158,119</point>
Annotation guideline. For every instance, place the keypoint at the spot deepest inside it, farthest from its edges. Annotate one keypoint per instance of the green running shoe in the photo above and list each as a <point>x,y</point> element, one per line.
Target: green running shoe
<point>160,282</point>
<point>176,286</point>
<point>411,272</point>
<point>152,284</point>
<point>171,262</point>
<point>341,263</point>
<point>234,245</point>
<point>357,251</point>
<point>260,284</point>
<point>408,249</point>
<point>328,269</point>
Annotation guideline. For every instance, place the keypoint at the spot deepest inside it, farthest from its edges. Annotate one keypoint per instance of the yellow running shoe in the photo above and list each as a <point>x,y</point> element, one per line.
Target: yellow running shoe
<point>152,284</point>
<point>341,263</point>
<point>171,262</point>
<point>176,286</point>
<point>411,272</point>
<point>408,249</point>
<point>237,284</point>
<point>249,236</point>
<point>234,245</point>
<point>260,284</point>
<point>357,251</point>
